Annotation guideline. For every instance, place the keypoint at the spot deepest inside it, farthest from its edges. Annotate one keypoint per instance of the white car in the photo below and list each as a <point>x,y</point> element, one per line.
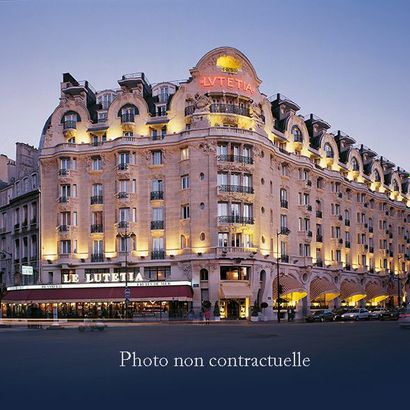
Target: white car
<point>356,314</point>
<point>404,318</point>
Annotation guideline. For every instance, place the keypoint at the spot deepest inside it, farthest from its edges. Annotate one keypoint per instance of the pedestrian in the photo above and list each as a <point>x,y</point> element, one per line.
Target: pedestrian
<point>289,311</point>
<point>207,315</point>
<point>292,314</point>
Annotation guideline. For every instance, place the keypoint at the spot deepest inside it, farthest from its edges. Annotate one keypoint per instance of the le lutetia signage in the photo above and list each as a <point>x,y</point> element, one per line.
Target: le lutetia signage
<point>102,277</point>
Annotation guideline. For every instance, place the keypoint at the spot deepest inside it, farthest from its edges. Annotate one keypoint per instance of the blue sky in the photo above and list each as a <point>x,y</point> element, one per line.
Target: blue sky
<point>346,61</point>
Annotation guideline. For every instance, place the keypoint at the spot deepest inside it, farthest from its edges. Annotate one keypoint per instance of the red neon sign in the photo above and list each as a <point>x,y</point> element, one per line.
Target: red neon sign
<point>229,82</point>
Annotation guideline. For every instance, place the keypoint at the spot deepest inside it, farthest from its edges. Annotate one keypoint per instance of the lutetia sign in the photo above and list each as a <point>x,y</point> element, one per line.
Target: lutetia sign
<point>226,82</point>
<point>102,277</point>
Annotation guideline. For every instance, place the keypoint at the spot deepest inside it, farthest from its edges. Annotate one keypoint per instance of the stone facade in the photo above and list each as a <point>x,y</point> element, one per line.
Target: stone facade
<point>219,183</point>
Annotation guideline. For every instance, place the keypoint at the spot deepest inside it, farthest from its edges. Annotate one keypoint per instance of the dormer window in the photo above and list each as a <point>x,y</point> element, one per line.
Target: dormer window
<point>164,94</point>
<point>297,134</point>
<point>128,113</point>
<point>328,150</point>
<point>70,120</point>
<point>376,176</point>
<point>395,186</point>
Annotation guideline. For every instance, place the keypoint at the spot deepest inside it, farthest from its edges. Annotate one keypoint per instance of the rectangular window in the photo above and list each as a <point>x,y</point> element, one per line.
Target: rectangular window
<point>222,209</point>
<point>222,239</point>
<point>96,163</point>
<point>185,182</point>
<point>65,247</point>
<point>157,214</point>
<point>156,157</point>
<point>184,211</point>
<point>184,153</point>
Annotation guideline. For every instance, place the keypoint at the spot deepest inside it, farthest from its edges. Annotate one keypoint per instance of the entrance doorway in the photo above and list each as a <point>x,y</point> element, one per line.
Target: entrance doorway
<point>233,308</point>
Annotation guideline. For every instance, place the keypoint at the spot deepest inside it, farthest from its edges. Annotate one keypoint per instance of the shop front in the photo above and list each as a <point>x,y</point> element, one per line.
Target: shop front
<point>145,300</point>
<point>234,292</point>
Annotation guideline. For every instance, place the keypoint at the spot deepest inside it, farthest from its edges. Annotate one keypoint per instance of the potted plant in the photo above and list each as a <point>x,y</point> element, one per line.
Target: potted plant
<point>264,305</point>
<point>255,312</point>
<point>217,313</point>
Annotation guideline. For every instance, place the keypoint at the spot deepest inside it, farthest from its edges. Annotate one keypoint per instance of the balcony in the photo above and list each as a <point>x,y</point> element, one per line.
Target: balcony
<point>371,249</point>
<point>284,203</point>
<point>371,229</point>
<point>319,214</point>
<point>63,172</point>
<point>230,109</point>
<point>123,166</point>
<point>69,125</point>
<point>123,224</point>
<point>236,188</point>
<point>63,199</point>
<point>309,234</point>
<point>284,230</point>
<point>96,199</point>
<point>97,228</point>
<point>347,244</point>
<point>347,222</point>
<point>284,258</point>
<point>156,195</point>
<point>127,118</point>
<point>16,227</point>
<point>319,238</point>
<point>340,241</point>
<point>157,225</point>
<point>122,195</point>
<point>309,208</point>
<point>235,158</point>
<point>97,257</point>
<point>236,219</point>
<point>63,228</point>
<point>158,254</point>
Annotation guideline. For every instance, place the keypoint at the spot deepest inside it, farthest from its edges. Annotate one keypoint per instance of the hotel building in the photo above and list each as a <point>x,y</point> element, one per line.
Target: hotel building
<point>199,190</point>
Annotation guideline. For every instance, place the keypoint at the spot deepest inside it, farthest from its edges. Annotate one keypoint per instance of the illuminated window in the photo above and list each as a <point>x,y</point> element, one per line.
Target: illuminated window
<point>184,153</point>
<point>297,134</point>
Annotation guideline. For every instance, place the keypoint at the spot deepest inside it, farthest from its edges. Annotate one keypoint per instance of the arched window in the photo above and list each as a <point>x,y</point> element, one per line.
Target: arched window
<point>127,112</point>
<point>203,274</point>
<point>328,150</point>
<point>320,183</point>
<point>184,242</point>
<point>396,186</point>
<point>297,134</point>
<point>262,275</point>
<point>355,164</point>
<point>70,119</point>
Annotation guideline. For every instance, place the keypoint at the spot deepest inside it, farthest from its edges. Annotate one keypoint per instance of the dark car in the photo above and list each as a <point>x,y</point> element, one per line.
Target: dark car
<point>320,316</point>
<point>339,312</point>
<point>392,314</point>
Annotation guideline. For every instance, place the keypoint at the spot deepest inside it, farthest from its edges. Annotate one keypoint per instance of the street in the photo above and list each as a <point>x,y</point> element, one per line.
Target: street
<point>49,368</point>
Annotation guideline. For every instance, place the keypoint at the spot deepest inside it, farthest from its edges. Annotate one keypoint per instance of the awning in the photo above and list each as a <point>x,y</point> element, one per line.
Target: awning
<point>351,291</point>
<point>322,289</point>
<point>99,294</point>
<point>375,293</point>
<point>235,290</point>
<point>392,288</point>
<point>292,289</point>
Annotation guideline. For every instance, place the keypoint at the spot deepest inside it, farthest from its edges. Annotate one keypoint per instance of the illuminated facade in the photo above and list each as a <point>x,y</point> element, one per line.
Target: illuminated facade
<point>209,182</point>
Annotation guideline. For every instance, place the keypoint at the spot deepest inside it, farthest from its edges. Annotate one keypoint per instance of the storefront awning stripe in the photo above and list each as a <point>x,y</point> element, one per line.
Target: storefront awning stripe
<point>99,294</point>
<point>348,289</point>
<point>235,290</point>
<point>323,288</point>
<point>290,285</point>
<point>375,291</point>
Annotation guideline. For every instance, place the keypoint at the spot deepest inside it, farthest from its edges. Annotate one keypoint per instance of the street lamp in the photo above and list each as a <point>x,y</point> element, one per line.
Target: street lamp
<point>283,231</point>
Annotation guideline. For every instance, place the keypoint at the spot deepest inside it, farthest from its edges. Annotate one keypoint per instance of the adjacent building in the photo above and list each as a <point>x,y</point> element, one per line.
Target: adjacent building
<point>19,218</point>
<point>158,197</point>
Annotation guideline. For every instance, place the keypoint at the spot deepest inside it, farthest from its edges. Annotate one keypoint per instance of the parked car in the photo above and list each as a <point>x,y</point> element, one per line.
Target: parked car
<point>392,314</point>
<point>404,318</point>
<point>378,313</point>
<point>320,316</point>
<point>357,314</point>
<point>339,312</point>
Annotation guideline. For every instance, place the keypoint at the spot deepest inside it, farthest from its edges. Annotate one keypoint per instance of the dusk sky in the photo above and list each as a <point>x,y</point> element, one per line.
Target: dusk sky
<point>345,61</point>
